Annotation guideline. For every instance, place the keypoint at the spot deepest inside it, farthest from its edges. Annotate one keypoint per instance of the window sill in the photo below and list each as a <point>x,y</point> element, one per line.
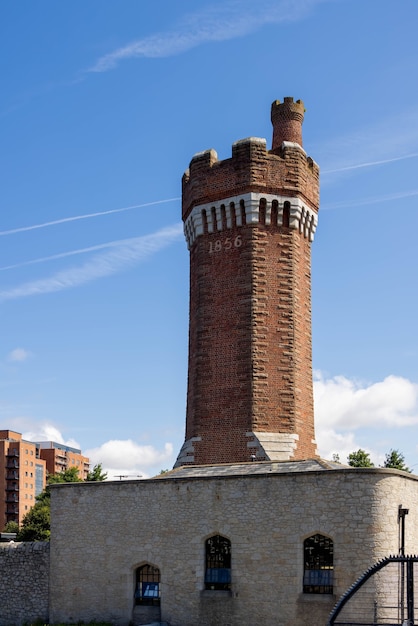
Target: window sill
<point>216,593</point>
<point>318,597</point>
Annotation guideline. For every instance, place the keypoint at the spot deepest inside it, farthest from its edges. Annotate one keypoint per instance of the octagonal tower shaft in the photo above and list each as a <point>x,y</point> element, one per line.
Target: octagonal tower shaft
<point>249,222</point>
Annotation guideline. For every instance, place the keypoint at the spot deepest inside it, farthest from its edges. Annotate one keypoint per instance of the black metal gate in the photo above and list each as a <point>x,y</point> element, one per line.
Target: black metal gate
<point>382,596</point>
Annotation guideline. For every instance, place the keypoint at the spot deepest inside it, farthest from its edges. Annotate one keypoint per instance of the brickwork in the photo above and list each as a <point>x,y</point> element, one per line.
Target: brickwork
<point>24,583</point>
<point>19,466</point>
<point>287,119</point>
<point>249,223</point>
<point>165,522</point>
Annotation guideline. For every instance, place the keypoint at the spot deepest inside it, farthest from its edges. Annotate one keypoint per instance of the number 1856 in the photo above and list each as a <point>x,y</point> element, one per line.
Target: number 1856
<point>226,244</point>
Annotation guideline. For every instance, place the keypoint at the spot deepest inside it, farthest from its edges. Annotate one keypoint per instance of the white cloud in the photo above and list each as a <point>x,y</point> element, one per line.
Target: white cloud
<point>122,254</point>
<point>219,22</point>
<point>349,404</point>
<point>127,458</point>
<point>18,354</point>
<point>344,407</point>
<point>48,432</point>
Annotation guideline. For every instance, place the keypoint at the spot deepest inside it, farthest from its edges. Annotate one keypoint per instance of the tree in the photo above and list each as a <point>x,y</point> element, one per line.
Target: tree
<point>11,527</point>
<point>97,473</point>
<point>69,475</point>
<point>36,525</point>
<point>360,458</point>
<point>396,460</point>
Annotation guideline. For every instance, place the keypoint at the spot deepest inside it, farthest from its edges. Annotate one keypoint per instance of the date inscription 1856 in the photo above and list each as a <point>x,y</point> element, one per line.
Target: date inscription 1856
<point>226,244</point>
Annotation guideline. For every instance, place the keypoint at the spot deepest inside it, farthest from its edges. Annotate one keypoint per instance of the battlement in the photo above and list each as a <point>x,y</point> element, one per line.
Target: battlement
<point>285,170</point>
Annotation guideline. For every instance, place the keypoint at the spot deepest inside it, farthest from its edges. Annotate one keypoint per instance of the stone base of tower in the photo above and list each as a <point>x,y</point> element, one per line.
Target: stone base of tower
<point>261,447</point>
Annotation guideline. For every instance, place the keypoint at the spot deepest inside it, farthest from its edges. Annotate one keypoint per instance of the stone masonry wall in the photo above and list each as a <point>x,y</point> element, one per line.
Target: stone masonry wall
<point>165,522</point>
<point>24,582</point>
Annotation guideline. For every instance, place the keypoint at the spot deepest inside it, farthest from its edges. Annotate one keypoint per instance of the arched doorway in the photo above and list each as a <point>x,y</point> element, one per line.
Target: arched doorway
<point>147,595</point>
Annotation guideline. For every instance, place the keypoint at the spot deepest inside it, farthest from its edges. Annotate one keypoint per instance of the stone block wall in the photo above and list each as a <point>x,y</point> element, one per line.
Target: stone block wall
<point>24,582</point>
<point>165,522</point>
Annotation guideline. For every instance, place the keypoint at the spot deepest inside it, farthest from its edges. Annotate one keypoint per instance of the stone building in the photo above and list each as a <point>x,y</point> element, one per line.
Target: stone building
<point>251,527</point>
<point>224,544</point>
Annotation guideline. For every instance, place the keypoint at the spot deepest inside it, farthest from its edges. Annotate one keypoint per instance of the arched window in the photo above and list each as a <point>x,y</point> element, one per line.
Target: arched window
<point>205,222</point>
<point>286,214</point>
<point>147,588</point>
<point>218,563</point>
<point>274,212</point>
<point>262,211</point>
<point>318,555</point>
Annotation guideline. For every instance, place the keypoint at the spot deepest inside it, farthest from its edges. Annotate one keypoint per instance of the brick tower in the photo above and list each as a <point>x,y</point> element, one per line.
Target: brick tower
<point>249,222</point>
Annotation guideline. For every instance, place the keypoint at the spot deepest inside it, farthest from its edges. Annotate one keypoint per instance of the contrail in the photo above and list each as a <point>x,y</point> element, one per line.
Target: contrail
<point>370,164</point>
<point>120,256</point>
<point>374,200</point>
<point>62,255</point>
<point>83,217</point>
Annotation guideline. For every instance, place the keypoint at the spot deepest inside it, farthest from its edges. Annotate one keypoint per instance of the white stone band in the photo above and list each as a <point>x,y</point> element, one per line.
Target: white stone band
<point>302,218</point>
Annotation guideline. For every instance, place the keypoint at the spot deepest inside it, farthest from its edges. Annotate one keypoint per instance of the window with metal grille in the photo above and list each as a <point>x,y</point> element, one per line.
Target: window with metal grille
<point>218,563</point>
<point>147,588</point>
<point>318,554</point>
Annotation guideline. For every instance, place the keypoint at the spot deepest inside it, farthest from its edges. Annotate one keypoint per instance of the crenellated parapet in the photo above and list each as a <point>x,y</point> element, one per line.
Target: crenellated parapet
<point>250,208</point>
<point>285,175</point>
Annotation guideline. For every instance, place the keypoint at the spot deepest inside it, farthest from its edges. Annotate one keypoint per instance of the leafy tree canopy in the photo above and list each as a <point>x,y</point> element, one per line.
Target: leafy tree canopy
<point>396,460</point>
<point>11,527</point>
<point>97,473</point>
<point>36,524</point>
<point>360,458</point>
<point>69,475</point>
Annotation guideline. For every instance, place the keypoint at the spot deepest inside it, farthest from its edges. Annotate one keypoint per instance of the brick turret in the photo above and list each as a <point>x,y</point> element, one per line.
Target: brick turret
<point>287,120</point>
<point>249,222</point>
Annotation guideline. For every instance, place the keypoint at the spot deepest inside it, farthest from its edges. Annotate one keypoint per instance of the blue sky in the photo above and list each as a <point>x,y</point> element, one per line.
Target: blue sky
<point>102,106</point>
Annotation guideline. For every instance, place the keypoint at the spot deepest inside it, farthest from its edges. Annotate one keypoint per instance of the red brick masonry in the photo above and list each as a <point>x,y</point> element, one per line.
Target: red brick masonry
<point>249,221</point>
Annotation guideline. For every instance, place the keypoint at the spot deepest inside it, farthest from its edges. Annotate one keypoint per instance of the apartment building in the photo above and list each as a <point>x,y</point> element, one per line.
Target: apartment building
<point>22,476</point>
<point>24,468</point>
<point>59,458</point>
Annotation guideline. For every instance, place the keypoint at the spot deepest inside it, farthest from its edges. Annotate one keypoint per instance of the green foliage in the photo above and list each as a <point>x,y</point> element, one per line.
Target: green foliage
<point>69,475</point>
<point>97,473</point>
<point>396,460</point>
<point>11,527</point>
<point>360,458</point>
<point>336,457</point>
<point>36,523</point>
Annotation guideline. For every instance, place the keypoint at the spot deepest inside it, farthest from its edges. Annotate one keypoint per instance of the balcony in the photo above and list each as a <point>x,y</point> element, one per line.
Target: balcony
<point>12,488</point>
<point>12,498</point>
<point>12,510</point>
<point>13,453</point>
<point>12,464</point>
<point>12,476</point>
